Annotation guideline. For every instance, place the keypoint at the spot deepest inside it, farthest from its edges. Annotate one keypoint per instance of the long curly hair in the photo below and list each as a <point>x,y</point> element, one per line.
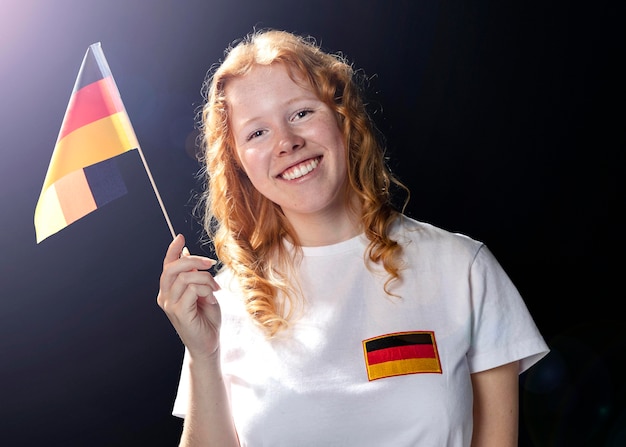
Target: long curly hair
<point>247,229</point>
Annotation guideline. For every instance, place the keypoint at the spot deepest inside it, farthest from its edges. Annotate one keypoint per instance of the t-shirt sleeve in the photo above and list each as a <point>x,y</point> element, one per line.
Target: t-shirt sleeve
<point>182,395</point>
<point>503,330</point>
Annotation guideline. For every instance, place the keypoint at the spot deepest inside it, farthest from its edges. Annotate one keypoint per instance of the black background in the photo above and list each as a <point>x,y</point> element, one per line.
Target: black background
<point>506,121</point>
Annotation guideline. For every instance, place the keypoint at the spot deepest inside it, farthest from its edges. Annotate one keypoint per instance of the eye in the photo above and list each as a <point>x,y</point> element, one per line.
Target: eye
<point>255,134</point>
<point>301,114</point>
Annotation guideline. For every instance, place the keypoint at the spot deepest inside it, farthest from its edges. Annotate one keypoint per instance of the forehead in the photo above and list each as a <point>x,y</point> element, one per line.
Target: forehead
<point>263,81</point>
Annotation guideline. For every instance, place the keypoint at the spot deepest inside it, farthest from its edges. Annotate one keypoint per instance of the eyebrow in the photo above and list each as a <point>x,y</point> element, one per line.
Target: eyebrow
<point>290,102</point>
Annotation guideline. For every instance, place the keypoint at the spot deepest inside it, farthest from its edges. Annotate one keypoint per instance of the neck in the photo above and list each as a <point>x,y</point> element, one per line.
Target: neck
<point>325,228</point>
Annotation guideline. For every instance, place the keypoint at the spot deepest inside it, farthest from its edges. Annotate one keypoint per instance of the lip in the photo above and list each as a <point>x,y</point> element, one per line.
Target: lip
<point>304,160</point>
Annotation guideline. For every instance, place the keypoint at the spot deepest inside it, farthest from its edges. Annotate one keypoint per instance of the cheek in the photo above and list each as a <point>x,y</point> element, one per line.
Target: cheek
<point>253,163</point>
<point>334,131</point>
<point>236,156</point>
<point>339,146</point>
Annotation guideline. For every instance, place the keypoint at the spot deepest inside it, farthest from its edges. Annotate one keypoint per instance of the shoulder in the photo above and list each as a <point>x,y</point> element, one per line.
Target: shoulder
<point>427,238</point>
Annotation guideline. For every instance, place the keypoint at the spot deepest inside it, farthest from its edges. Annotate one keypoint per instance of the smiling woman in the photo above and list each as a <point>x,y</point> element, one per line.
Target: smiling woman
<point>290,146</point>
<point>334,319</point>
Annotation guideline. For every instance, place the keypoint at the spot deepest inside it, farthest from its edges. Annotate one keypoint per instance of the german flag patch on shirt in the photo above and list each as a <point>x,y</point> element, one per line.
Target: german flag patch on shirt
<point>401,353</point>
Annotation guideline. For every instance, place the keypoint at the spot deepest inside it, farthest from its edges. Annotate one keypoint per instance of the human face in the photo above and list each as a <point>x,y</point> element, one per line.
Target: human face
<point>288,142</point>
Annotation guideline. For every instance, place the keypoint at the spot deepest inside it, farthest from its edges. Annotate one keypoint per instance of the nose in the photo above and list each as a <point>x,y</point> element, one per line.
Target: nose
<point>288,141</point>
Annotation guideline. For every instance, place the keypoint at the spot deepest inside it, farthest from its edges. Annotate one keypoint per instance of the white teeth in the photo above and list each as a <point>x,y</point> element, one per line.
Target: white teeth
<point>300,170</point>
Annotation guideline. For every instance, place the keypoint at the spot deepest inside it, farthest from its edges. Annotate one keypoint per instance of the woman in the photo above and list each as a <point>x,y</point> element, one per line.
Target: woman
<point>335,320</point>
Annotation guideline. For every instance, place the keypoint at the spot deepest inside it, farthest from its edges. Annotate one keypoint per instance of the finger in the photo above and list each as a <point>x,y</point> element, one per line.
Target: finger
<point>175,280</point>
<point>201,283</point>
<point>175,249</point>
<point>206,263</point>
<point>183,295</point>
<point>200,293</point>
<point>193,300</point>
<point>190,263</point>
<point>200,278</point>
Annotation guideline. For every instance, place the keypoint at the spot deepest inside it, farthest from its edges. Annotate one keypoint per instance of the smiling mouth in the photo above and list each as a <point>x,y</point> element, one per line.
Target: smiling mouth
<point>301,169</point>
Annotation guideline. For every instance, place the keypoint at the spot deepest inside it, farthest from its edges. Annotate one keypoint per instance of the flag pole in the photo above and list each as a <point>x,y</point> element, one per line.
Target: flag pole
<point>156,192</point>
<point>105,66</point>
<point>96,108</point>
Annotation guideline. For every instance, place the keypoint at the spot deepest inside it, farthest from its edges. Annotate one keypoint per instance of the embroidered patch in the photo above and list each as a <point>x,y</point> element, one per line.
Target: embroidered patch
<point>401,353</point>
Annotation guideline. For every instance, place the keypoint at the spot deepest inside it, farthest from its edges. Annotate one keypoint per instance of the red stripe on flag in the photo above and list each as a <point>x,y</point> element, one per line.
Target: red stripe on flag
<point>401,353</point>
<point>91,103</point>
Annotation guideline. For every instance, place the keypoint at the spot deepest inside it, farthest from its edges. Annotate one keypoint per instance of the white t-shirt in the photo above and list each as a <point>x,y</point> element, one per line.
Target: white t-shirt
<point>363,368</point>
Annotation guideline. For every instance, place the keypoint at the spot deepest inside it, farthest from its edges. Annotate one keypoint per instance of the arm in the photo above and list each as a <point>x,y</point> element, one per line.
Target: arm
<point>208,421</point>
<point>186,297</point>
<point>496,400</point>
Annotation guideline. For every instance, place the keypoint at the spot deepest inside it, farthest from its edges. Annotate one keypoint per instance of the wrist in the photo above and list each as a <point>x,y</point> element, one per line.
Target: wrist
<point>206,364</point>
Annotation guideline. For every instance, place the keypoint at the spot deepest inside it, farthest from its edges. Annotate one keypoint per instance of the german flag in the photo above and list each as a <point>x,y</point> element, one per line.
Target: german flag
<point>401,353</point>
<point>82,175</point>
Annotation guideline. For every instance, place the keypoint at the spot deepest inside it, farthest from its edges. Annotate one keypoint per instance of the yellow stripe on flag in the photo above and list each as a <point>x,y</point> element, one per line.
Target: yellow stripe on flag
<point>48,214</point>
<point>91,144</point>
<point>401,367</point>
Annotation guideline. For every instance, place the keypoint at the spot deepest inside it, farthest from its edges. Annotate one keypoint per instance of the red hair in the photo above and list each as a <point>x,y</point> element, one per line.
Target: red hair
<point>246,228</point>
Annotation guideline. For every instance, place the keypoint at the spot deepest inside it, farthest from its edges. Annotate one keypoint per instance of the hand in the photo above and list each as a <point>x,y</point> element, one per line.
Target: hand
<point>186,297</point>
